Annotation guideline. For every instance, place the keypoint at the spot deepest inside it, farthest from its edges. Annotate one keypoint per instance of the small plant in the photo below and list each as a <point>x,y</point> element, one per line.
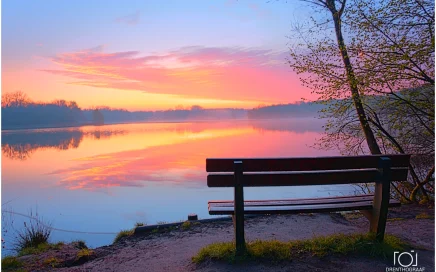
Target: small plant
<point>79,244</point>
<point>186,225</point>
<point>352,215</point>
<point>85,253</point>
<point>122,234</point>
<point>58,245</point>
<point>139,224</point>
<point>424,216</point>
<point>35,233</point>
<point>52,261</point>
<point>395,219</point>
<point>11,263</point>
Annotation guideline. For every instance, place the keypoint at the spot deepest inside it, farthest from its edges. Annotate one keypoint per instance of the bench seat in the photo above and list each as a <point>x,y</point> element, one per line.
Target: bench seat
<point>292,206</point>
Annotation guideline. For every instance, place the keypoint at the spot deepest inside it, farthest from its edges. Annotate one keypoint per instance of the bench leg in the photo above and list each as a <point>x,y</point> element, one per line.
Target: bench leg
<point>238,216</point>
<point>239,234</point>
<point>379,213</point>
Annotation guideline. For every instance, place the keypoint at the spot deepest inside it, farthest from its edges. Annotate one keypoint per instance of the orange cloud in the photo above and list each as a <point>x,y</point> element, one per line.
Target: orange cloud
<point>231,73</point>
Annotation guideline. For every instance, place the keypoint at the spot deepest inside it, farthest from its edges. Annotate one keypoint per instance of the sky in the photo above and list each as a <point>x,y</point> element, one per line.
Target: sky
<point>146,55</point>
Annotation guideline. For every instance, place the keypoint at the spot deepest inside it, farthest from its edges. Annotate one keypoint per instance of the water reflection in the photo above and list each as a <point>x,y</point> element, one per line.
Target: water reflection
<point>171,153</point>
<point>108,177</point>
<point>20,145</point>
<point>297,125</point>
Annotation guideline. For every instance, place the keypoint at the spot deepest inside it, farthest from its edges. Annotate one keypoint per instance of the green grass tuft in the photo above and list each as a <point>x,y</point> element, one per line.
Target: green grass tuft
<point>84,253</point>
<point>395,219</point>
<point>186,225</point>
<point>122,234</point>
<point>79,244</point>
<point>139,224</point>
<point>40,248</point>
<point>275,251</point>
<point>10,262</point>
<point>52,261</point>
<point>34,233</point>
<point>424,216</point>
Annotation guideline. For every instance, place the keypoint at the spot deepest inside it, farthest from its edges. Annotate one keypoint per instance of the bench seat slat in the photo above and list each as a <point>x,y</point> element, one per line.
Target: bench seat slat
<point>304,178</point>
<point>349,206</point>
<point>293,202</point>
<point>297,199</point>
<point>304,163</point>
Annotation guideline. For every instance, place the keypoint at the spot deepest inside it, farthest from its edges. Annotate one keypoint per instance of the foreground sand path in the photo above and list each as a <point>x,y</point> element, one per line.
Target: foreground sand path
<point>173,251</point>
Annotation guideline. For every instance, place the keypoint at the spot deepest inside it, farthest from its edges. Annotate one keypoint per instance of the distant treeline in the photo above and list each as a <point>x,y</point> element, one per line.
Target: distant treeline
<point>285,111</point>
<point>18,111</point>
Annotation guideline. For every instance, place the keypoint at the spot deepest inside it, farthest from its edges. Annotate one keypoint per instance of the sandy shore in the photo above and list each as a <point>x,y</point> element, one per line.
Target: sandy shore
<point>172,251</point>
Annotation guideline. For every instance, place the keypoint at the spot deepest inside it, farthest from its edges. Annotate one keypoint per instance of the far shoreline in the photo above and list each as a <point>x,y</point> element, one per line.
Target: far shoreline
<point>22,128</point>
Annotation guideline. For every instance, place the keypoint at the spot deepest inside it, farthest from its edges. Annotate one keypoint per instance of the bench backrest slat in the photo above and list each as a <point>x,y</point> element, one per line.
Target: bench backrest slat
<point>301,178</point>
<point>304,164</point>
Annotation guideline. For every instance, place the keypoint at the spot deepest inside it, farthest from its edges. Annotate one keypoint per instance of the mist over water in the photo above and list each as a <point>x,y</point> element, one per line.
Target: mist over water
<point>101,179</point>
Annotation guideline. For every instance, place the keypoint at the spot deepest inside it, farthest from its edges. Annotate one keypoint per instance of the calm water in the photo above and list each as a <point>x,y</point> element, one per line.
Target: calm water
<point>106,178</point>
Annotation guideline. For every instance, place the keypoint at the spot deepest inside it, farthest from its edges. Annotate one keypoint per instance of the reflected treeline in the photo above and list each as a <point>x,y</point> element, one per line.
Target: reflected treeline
<point>298,125</point>
<point>20,145</point>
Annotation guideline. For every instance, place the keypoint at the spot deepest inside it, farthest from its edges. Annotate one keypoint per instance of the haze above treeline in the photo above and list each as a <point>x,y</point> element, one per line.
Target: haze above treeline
<point>19,111</point>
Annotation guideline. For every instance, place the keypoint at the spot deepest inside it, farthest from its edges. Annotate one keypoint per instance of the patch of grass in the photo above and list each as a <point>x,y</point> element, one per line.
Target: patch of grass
<point>59,245</point>
<point>79,244</point>
<point>52,261</point>
<point>352,215</point>
<point>122,234</point>
<point>156,230</point>
<point>424,216</point>
<point>9,263</point>
<point>275,251</point>
<point>139,224</point>
<point>171,228</point>
<point>186,225</point>
<point>395,219</point>
<point>39,248</point>
<point>84,253</point>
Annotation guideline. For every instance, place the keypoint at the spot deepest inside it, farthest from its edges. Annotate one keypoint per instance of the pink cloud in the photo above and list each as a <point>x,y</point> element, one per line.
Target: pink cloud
<point>233,73</point>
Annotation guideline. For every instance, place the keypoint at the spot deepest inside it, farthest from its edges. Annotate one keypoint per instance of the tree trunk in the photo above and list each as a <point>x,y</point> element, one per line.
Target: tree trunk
<point>352,81</point>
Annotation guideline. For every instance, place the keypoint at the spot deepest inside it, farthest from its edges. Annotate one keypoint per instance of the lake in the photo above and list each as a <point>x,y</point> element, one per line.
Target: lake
<point>91,182</point>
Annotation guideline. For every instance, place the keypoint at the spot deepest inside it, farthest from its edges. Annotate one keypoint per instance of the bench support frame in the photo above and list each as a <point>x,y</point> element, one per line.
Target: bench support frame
<point>382,195</point>
<point>238,216</point>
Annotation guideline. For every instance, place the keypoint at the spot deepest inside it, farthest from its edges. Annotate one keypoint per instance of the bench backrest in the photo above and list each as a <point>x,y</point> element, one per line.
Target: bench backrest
<point>305,171</point>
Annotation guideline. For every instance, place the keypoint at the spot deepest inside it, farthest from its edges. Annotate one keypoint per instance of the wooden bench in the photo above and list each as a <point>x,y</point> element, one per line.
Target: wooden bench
<point>260,172</point>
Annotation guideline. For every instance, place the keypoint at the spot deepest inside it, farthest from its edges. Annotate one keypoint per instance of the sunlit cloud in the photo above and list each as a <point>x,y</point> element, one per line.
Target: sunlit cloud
<point>131,19</point>
<point>227,73</point>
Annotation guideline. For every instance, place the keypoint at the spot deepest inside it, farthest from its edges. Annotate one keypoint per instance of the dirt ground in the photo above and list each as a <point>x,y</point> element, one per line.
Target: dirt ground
<point>172,251</point>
